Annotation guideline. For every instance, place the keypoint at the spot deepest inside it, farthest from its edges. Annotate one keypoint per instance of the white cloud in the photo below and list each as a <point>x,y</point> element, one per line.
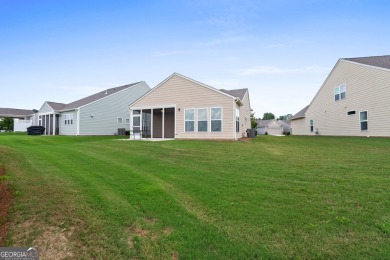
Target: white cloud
<point>276,70</point>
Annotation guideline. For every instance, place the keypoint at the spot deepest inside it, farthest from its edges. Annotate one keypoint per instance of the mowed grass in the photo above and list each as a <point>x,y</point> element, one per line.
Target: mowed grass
<point>272,197</point>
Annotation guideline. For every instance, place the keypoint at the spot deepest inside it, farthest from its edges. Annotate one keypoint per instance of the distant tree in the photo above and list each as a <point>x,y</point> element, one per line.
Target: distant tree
<point>7,123</point>
<point>268,116</point>
<point>285,117</point>
<point>253,120</point>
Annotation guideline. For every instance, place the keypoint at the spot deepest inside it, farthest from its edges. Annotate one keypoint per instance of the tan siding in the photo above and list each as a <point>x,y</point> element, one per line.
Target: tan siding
<point>367,88</point>
<point>187,94</point>
<point>245,115</point>
<point>298,127</point>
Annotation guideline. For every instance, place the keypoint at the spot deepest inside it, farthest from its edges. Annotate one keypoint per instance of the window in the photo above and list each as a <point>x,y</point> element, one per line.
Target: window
<point>363,121</point>
<point>68,119</point>
<point>202,119</point>
<point>216,119</point>
<point>120,120</point>
<point>127,120</point>
<point>311,125</point>
<point>351,113</point>
<point>189,120</point>
<point>339,92</point>
<point>238,120</point>
<point>40,120</point>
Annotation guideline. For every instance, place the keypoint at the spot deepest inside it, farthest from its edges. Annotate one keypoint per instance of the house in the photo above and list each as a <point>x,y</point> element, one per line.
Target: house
<point>353,101</point>
<point>273,127</point>
<point>183,108</point>
<point>99,114</point>
<point>22,117</point>
<point>16,113</point>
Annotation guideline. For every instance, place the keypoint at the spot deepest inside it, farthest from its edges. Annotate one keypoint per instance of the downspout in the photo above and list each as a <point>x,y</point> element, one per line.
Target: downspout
<point>78,121</point>
<point>234,120</point>
<point>130,123</point>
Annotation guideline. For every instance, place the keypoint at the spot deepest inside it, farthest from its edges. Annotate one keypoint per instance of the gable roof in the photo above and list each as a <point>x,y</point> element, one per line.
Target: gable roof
<point>285,122</point>
<point>55,105</point>
<point>240,93</point>
<point>300,114</point>
<point>263,123</point>
<point>14,112</point>
<point>376,61</point>
<point>95,97</point>
<point>189,79</point>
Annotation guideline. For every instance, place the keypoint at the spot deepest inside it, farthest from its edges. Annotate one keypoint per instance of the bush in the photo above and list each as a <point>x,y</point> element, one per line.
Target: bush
<point>128,132</point>
<point>266,133</point>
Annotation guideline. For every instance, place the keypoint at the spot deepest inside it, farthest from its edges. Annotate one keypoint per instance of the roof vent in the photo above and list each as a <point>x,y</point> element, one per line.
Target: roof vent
<point>106,91</point>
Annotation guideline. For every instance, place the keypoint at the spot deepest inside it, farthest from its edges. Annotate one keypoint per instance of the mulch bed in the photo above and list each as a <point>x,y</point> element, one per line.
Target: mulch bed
<point>5,203</point>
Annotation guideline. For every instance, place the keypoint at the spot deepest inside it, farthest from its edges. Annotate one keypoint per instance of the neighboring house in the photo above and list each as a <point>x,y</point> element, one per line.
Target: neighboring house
<point>182,108</point>
<point>353,101</point>
<point>99,114</point>
<point>286,124</point>
<point>273,127</point>
<point>22,117</point>
<point>16,113</point>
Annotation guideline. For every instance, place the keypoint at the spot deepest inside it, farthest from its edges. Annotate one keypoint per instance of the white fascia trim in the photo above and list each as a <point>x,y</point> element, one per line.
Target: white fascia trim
<point>366,65</point>
<point>45,103</point>
<point>153,107</point>
<point>184,77</point>
<point>204,85</point>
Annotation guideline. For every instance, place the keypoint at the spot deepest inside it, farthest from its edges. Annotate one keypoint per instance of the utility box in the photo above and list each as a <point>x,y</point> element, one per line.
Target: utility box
<point>251,133</point>
<point>121,131</point>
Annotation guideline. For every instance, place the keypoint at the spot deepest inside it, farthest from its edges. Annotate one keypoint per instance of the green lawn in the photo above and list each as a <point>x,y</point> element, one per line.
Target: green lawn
<point>272,197</point>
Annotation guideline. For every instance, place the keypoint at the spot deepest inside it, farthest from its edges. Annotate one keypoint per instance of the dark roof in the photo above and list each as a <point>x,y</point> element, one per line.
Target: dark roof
<point>55,105</point>
<point>263,123</point>
<point>300,114</point>
<point>13,112</point>
<point>377,61</point>
<point>94,97</point>
<point>240,93</point>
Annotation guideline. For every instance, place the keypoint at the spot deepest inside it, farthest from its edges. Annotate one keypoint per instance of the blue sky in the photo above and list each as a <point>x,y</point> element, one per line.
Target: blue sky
<point>280,50</point>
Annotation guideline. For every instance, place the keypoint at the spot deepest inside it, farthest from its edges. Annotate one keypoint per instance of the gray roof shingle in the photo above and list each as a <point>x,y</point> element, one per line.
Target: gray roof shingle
<point>94,97</point>
<point>14,112</point>
<point>377,61</point>
<point>300,114</point>
<point>55,105</point>
<point>240,93</point>
<point>263,123</point>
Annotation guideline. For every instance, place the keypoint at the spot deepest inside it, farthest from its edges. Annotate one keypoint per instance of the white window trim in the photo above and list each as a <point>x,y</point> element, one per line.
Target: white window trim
<point>339,87</point>
<point>195,125</point>
<point>311,125</point>
<point>217,119</point>
<point>68,119</point>
<point>360,120</point>
<point>207,120</point>
<point>127,121</point>
<point>117,120</point>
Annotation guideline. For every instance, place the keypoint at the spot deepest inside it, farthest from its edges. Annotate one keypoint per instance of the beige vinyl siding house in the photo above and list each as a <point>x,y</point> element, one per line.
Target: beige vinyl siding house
<point>182,108</point>
<point>353,101</point>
